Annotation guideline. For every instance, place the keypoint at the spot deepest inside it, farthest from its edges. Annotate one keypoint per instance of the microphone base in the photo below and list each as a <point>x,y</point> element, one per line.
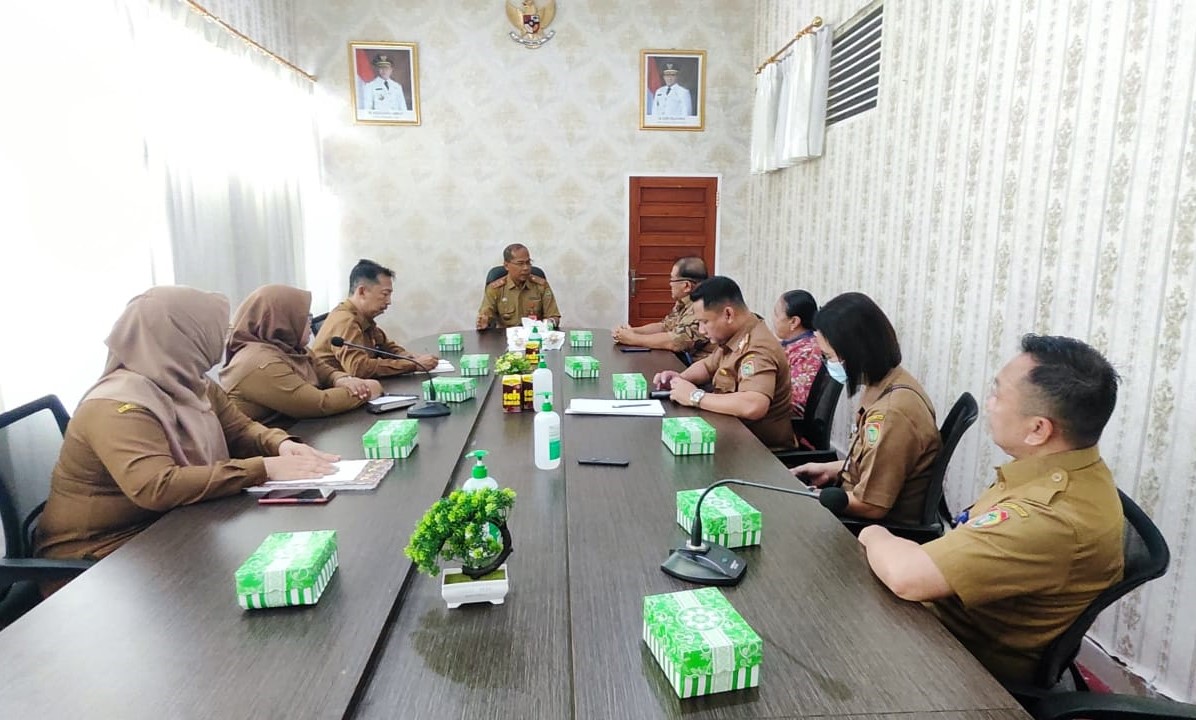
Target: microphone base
<point>429,410</point>
<point>714,566</point>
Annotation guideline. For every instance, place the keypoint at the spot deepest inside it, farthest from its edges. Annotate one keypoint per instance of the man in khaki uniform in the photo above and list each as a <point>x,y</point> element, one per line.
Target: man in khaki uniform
<point>518,294</point>
<point>370,288</point>
<point>1046,538</point>
<point>678,331</point>
<point>748,368</point>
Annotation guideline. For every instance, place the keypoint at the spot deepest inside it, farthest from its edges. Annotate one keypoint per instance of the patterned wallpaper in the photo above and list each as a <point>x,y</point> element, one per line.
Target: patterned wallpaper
<point>518,145</point>
<point>1031,167</point>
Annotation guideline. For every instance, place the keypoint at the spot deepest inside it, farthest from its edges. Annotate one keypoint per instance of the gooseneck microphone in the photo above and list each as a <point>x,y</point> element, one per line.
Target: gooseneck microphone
<point>427,409</point>
<point>708,563</point>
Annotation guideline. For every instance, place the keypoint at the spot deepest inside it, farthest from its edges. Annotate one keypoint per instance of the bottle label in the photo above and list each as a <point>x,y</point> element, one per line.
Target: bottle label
<point>554,447</point>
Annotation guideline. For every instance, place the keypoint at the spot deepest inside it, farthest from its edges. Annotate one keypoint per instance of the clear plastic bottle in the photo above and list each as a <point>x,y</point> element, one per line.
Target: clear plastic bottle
<point>547,438</point>
<point>542,383</point>
<point>481,476</point>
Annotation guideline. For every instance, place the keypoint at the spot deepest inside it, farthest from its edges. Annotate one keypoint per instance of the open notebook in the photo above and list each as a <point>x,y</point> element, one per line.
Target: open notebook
<point>350,475</point>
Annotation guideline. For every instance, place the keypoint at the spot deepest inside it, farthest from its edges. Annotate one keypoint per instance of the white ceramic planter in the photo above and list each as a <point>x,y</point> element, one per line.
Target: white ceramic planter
<point>458,589</point>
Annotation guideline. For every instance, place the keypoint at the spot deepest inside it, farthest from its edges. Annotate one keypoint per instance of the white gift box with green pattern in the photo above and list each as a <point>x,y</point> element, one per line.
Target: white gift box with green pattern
<point>473,365</point>
<point>581,338</point>
<point>701,643</point>
<point>391,439</point>
<point>451,389</point>
<point>727,519</point>
<point>629,386</point>
<point>287,569</point>
<point>688,435</point>
<point>581,366</point>
<point>450,342</point>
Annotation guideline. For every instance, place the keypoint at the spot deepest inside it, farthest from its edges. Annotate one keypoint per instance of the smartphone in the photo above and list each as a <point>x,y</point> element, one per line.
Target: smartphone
<point>629,348</point>
<point>613,462</point>
<point>297,497</point>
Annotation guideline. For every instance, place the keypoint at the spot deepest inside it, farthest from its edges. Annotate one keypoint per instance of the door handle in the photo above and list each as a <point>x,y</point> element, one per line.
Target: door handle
<point>633,279</point>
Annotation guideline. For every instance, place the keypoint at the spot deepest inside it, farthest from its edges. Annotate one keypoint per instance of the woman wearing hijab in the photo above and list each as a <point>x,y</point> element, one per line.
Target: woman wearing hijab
<point>270,374</point>
<point>155,434</point>
<point>895,439</point>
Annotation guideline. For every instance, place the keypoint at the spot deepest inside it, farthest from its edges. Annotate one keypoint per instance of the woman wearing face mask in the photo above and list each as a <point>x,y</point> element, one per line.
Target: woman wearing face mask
<point>793,319</point>
<point>269,372</point>
<point>155,434</point>
<point>895,438</point>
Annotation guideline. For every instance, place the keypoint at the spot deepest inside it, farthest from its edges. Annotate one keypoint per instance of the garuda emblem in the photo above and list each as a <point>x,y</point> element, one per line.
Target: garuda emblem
<point>531,22</point>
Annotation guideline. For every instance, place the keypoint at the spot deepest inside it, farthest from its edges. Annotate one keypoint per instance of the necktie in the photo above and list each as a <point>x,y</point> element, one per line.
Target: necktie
<point>668,90</point>
<point>386,83</point>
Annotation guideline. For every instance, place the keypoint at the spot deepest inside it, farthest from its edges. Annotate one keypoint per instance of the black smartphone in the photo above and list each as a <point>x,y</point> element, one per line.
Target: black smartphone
<point>616,462</point>
<point>629,348</point>
<point>297,497</point>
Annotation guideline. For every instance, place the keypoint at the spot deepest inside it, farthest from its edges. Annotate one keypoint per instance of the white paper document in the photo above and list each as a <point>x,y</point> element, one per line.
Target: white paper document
<point>630,408</point>
<point>349,475</point>
<point>444,366</point>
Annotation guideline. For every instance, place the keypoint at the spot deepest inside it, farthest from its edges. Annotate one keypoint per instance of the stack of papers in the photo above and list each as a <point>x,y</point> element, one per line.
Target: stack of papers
<point>444,366</point>
<point>630,408</point>
<point>349,475</point>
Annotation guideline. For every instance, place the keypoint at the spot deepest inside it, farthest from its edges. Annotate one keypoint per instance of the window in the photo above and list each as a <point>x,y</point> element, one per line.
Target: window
<point>855,65</point>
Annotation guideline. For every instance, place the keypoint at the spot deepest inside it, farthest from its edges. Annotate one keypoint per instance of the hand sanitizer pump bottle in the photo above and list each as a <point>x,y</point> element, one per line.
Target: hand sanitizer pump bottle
<point>481,476</point>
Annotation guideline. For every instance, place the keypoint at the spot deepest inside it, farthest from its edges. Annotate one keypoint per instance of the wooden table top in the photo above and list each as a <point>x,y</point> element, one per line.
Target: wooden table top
<point>154,631</point>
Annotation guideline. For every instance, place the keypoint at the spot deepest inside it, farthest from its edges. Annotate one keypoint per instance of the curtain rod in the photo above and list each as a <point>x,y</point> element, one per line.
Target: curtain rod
<point>807,30</point>
<point>200,9</point>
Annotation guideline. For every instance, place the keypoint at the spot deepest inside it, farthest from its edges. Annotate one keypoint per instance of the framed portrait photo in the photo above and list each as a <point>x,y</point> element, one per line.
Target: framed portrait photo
<point>385,81</point>
<point>672,90</point>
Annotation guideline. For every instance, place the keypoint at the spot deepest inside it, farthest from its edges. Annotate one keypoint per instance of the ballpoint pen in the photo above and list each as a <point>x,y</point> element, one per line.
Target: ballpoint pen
<point>632,405</point>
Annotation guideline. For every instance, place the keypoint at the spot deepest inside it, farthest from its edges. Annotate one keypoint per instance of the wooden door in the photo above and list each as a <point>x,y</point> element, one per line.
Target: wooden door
<point>671,218</point>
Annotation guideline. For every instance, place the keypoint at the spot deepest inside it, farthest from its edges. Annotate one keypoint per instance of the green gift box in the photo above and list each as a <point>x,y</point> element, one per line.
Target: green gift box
<point>701,643</point>
<point>451,342</point>
<point>287,569</point>
<point>581,366</point>
<point>688,435</point>
<point>391,439</point>
<point>451,389</point>
<point>727,519</point>
<point>630,386</point>
<point>581,338</point>
<point>475,365</point>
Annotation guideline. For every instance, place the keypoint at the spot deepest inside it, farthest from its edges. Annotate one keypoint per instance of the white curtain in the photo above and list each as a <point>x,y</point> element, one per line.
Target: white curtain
<point>231,144</point>
<point>764,120</point>
<point>789,118</point>
<point>137,147</point>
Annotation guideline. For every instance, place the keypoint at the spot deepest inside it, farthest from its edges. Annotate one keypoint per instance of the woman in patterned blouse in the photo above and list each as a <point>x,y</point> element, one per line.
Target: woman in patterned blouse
<point>793,319</point>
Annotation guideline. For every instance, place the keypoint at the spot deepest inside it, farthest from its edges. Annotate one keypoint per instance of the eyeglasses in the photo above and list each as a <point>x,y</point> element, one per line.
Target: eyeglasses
<point>677,280</point>
<point>522,263</point>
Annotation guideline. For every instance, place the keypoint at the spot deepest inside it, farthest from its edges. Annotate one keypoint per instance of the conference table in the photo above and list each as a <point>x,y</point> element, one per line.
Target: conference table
<point>154,630</point>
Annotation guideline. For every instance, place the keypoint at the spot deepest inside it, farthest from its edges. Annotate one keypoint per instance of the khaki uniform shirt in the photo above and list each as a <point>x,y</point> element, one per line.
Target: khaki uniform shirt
<point>506,303</point>
<point>894,443</point>
<point>753,360</point>
<point>115,475</point>
<point>682,323</point>
<point>274,394</point>
<point>345,321</point>
<point>1036,548</point>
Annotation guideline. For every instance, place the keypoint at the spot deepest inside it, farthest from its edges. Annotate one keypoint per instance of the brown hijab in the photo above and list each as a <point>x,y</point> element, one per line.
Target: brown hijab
<point>158,353</point>
<point>268,327</point>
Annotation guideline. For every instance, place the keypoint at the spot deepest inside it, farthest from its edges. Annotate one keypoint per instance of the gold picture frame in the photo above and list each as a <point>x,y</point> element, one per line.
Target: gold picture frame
<point>384,82</point>
<point>663,105</point>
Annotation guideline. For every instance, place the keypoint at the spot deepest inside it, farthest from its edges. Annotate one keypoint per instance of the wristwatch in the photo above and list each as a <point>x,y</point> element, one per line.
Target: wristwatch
<point>695,397</point>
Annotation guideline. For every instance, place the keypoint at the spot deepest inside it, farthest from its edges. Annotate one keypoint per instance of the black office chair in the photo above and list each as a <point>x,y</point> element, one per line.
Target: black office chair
<point>317,322</point>
<point>813,431</point>
<point>21,502</point>
<point>499,271</point>
<point>1102,706</point>
<point>1146,558</point>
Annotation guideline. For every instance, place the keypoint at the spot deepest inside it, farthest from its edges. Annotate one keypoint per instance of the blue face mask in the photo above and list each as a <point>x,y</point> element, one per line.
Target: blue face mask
<point>836,370</point>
